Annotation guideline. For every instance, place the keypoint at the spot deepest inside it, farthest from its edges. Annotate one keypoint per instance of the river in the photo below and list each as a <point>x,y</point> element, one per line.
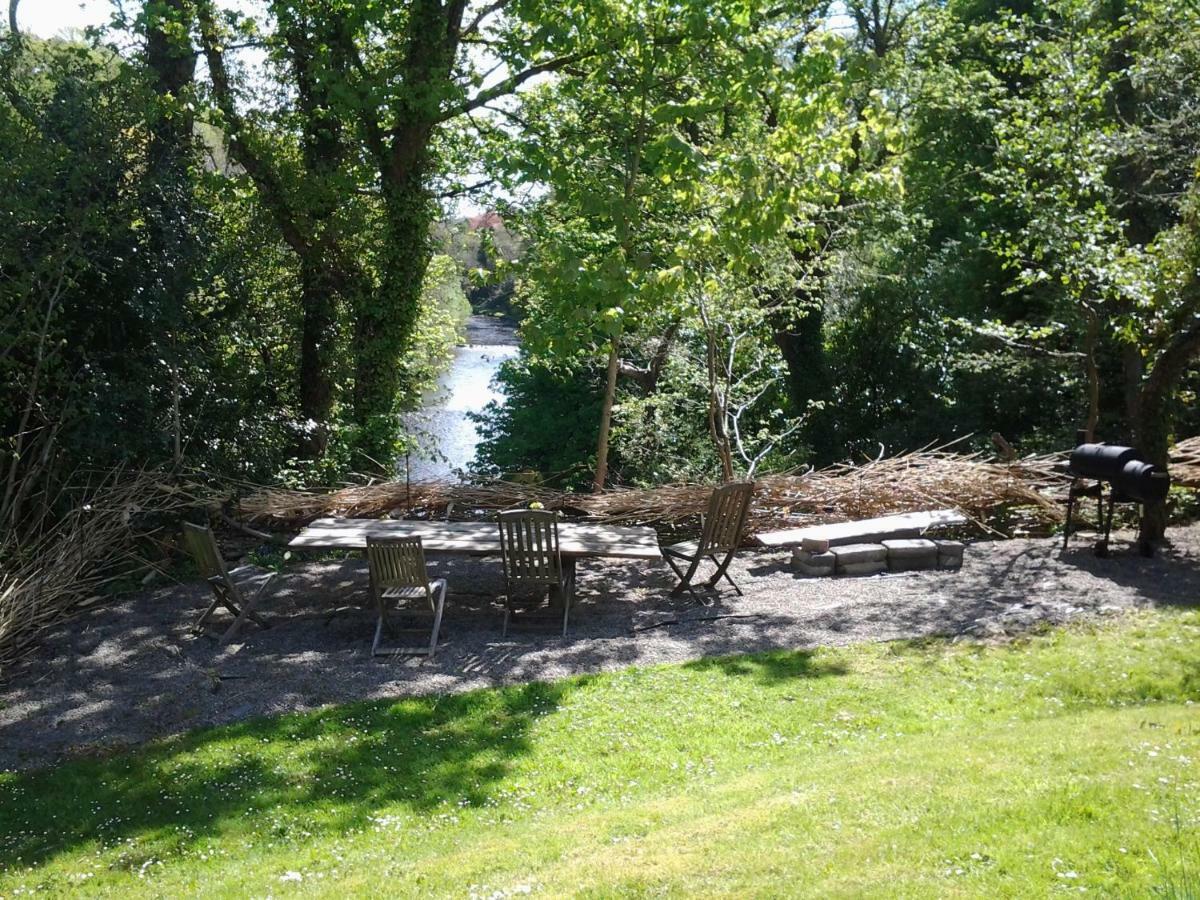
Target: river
<point>447,436</point>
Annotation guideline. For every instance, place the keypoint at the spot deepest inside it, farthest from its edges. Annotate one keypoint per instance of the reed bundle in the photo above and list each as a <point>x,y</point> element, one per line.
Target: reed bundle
<point>912,481</point>
<point>99,541</point>
<point>1185,463</point>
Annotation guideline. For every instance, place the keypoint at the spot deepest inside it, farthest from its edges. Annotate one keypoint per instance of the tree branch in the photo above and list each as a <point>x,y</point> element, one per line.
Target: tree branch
<point>510,84</point>
<point>465,189</point>
<point>483,14</point>
<point>260,172</point>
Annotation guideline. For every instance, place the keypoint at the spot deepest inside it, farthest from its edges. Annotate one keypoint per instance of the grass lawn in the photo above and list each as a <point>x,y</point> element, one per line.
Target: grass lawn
<point>1065,763</point>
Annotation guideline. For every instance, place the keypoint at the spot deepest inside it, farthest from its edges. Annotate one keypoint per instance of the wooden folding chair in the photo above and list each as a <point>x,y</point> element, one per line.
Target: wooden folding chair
<point>399,576</point>
<point>532,562</point>
<point>720,532</point>
<point>227,592</point>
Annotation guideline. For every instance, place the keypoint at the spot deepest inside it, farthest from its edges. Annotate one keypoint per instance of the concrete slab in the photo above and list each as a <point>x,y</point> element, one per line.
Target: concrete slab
<point>950,554</point>
<point>907,555</point>
<point>860,559</point>
<point>816,564</point>
<point>904,525</point>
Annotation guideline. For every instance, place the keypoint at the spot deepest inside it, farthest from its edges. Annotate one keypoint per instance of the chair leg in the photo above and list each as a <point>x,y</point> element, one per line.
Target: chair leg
<point>685,581</point>
<point>568,591</point>
<point>437,619</point>
<point>378,636</point>
<point>232,630</point>
<point>507,613</point>
<point>723,571</point>
<point>207,614</point>
<point>246,612</point>
<point>259,620</point>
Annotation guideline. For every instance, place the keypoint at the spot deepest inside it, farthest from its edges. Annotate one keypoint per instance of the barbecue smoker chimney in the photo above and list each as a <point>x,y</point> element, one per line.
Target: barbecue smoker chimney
<point>1130,478</point>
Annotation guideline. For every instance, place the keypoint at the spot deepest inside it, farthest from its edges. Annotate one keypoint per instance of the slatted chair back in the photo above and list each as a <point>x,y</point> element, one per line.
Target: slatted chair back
<point>529,548</point>
<point>396,563</point>
<point>202,547</point>
<point>728,509</point>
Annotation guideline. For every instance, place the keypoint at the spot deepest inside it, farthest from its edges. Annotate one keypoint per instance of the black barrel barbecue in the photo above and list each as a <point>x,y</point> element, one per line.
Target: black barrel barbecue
<point>1131,479</point>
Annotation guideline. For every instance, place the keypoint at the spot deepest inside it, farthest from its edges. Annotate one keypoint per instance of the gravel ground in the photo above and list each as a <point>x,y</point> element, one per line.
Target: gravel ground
<point>132,671</point>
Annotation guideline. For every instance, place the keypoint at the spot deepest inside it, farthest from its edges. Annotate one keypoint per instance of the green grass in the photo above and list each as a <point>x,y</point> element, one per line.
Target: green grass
<point>1067,762</point>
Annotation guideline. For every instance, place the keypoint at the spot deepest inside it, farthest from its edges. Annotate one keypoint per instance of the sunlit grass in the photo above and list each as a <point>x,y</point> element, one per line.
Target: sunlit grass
<point>1068,762</point>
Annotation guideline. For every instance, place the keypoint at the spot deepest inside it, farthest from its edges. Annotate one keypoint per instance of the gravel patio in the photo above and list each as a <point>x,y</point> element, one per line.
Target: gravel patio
<point>131,671</point>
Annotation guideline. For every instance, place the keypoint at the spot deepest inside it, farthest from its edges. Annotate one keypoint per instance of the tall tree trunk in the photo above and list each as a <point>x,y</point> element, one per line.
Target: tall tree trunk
<point>799,333</point>
<point>1154,413</point>
<point>171,59</point>
<point>717,407</point>
<point>625,231</point>
<point>1154,420</point>
<point>172,254</point>
<point>384,321</point>
<point>798,329</point>
<point>318,331</point>
<point>308,222</point>
<point>1090,341</point>
<point>1133,371</point>
<point>606,410</point>
<point>325,276</point>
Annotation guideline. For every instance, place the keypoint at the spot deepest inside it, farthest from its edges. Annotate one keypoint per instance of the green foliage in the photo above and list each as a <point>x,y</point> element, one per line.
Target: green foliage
<point>441,325</point>
<point>546,424</point>
<point>802,240</point>
<point>667,211</point>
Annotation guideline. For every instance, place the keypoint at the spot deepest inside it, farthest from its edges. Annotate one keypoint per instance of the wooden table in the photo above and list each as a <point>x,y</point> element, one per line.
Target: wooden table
<point>576,540</point>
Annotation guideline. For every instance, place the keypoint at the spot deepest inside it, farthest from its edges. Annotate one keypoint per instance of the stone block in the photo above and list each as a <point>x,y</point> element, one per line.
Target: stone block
<point>950,554</point>
<point>873,567</point>
<point>860,559</point>
<point>808,563</point>
<point>910,554</point>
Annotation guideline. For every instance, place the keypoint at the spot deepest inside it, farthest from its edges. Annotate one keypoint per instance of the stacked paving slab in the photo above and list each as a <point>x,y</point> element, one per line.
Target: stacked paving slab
<point>898,555</point>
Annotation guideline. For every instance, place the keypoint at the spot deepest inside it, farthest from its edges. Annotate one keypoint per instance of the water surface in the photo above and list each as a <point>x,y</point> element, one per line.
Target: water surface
<point>447,436</point>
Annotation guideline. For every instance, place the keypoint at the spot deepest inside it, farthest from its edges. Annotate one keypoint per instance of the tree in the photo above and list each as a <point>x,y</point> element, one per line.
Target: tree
<point>1121,244</point>
<point>306,203</point>
<point>391,80</point>
<point>657,162</point>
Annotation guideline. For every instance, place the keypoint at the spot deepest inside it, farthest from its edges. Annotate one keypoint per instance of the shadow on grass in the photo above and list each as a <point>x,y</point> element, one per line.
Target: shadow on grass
<point>326,771</point>
<point>771,668</point>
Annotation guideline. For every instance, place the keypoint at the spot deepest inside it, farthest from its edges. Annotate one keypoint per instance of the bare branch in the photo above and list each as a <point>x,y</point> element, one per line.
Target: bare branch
<point>260,172</point>
<point>510,84</point>
<point>493,7</point>
<point>466,189</point>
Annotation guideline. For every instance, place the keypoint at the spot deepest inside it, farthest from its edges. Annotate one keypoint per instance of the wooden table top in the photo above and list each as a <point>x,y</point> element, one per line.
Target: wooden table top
<point>478,538</point>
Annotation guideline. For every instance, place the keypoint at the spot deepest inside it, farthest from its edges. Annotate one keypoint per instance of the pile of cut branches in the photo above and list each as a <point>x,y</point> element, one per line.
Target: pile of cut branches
<point>1185,463</point>
<point>374,501</point>
<point>110,534</point>
<point>924,479</point>
<point>921,480</point>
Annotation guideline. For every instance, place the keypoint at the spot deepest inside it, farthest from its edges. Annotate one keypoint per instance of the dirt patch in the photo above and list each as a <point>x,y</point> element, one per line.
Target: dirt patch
<point>133,671</point>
